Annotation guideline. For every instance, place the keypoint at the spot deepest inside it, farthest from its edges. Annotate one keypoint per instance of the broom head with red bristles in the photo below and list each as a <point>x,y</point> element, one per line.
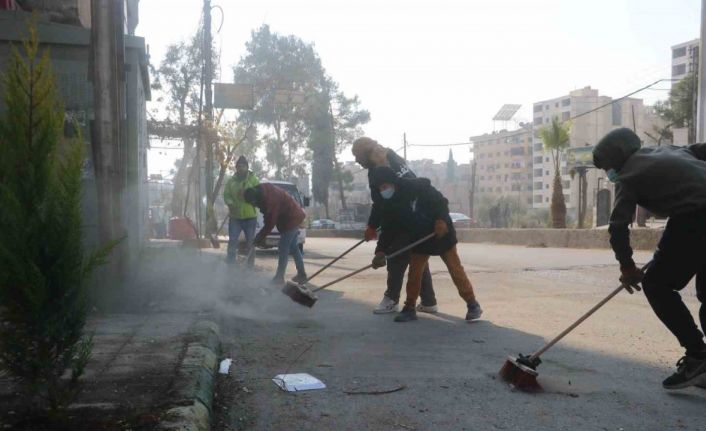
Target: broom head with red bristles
<point>521,372</point>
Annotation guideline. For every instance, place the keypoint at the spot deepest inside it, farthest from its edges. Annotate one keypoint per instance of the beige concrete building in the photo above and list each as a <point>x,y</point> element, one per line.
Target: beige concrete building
<point>588,125</point>
<point>685,59</point>
<point>504,164</point>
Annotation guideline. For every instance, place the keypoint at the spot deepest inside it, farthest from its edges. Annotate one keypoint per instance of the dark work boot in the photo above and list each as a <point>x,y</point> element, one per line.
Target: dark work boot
<point>474,311</point>
<point>691,371</point>
<point>406,315</point>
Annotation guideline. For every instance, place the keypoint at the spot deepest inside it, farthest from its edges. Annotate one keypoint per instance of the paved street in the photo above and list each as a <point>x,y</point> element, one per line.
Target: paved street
<point>604,376</point>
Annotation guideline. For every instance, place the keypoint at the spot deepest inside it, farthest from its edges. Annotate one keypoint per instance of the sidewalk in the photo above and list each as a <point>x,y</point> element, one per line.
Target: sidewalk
<point>152,369</point>
<point>141,367</point>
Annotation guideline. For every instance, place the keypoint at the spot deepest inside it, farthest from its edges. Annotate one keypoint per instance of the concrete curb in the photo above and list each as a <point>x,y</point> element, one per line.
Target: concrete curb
<point>194,381</point>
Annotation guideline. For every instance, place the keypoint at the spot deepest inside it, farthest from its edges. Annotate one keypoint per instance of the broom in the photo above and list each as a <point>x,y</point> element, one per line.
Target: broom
<point>521,372</point>
<point>308,298</point>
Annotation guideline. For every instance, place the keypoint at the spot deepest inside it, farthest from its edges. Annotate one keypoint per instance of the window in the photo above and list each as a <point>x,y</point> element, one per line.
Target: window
<point>679,52</point>
<point>565,116</point>
<point>538,121</point>
<point>617,114</point>
<point>567,198</point>
<point>547,172</point>
<point>679,69</point>
<point>565,184</point>
<point>538,199</point>
<point>518,151</point>
<point>497,177</point>
<point>563,170</point>
<point>538,185</point>
<point>546,107</point>
<point>546,120</point>
<point>546,200</point>
<point>538,147</point>
<point>516,188</point>
<point>516,164</point>
<point>556,105</point>
<point>538,108</point>
<point>482,177</point>
<point>516,177</point>
<point>546,159</point>
<point>566,102</point>
<point>546,186</point>
<point>538,172</point>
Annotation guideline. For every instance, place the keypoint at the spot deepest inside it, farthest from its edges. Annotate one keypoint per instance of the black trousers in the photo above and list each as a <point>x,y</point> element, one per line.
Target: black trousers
<point>680,256</point>
<point>396,268</point>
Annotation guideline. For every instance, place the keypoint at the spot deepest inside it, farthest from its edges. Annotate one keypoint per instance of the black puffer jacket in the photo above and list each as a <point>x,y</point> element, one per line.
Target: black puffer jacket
<point>412,211</point>
<point>399,166</point>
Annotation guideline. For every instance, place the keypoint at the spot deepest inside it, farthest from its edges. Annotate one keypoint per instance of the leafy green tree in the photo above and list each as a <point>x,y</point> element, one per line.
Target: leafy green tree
<point>556,139</point>
<point>678,110</point>
<point>43,282</point>
<point>287,75</point>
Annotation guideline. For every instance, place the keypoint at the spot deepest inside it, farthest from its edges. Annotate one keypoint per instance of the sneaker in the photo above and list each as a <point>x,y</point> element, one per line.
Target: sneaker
<point>690,371</point>
<point>387,305</point>
<point>406,315</point>
<point>474,311</point>
<point>431,309</point>
<point>300,278</point>
<point>277,281</point>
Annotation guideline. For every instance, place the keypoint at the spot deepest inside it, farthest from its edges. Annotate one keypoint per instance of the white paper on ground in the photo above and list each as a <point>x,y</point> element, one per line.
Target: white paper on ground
<point>225,366</point>
<point>298,382</point>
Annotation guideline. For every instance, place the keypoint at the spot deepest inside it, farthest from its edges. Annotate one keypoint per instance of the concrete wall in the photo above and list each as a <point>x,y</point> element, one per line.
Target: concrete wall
<point>641,239</point>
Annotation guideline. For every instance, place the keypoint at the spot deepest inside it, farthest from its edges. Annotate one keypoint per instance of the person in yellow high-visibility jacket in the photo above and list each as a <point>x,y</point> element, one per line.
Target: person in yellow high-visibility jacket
<point>243,216</point>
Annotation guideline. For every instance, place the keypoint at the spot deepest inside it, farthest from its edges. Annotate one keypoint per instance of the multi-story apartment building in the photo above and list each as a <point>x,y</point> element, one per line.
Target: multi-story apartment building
<point>588,125</point>
<point>504,164</point>
<point>685,59</point>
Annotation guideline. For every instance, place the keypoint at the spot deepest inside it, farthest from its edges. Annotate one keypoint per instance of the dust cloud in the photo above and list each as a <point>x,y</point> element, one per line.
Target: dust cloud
<point>177,279</point>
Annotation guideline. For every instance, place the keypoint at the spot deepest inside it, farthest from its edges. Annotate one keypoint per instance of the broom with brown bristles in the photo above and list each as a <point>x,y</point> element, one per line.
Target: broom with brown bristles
<point>301,295</point>
<point>521,371</point>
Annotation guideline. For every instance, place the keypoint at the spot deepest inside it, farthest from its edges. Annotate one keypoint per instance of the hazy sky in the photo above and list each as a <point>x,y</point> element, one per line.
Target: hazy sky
<point>439,70</point>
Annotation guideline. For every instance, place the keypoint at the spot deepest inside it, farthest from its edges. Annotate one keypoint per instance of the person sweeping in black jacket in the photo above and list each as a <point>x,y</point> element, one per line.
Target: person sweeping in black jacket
<point>370,155</point>
<point>671,182</point>
<point>414,209</point>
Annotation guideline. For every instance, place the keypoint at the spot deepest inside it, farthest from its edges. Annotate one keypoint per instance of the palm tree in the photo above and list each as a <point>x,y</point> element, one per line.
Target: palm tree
<point>556,138</point>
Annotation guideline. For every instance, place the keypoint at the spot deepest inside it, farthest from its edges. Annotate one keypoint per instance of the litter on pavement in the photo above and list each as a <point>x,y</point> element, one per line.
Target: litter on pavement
<point>225,366</point>
<point>298,382</point>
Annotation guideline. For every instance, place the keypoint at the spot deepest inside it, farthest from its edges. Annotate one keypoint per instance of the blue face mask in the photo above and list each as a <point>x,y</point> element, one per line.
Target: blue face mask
<point>612,175</point>
<point>387,193</point>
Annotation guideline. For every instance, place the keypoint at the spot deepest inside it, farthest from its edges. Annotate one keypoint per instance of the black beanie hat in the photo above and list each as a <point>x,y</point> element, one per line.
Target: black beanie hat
<point>383,174</point>
<point>615,148</point>
<point>242,161</point>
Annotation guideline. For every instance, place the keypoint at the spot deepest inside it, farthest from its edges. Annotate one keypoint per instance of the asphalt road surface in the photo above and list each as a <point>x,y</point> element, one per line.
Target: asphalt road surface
<point>441,370</point>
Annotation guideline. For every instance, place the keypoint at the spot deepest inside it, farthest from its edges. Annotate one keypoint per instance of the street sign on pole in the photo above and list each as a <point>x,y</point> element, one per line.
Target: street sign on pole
<point>233,96</point>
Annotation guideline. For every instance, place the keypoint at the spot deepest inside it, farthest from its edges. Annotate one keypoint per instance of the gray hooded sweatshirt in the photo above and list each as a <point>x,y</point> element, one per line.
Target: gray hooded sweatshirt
<point>665,180</point>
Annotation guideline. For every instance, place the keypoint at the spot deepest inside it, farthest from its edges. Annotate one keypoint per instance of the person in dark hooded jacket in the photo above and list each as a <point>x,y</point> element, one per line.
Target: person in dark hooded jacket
<point>370,154</point>
<point>411,207</point>
<point>671,182</point>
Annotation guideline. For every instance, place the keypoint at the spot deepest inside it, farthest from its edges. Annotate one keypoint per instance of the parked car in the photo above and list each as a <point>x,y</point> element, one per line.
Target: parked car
<point>323,223</point>
<point>273,238</point>
<point>462,221</point>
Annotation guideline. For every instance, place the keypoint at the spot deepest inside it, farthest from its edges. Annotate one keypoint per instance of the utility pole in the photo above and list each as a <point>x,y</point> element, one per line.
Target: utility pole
<point>208,111</point>
<point>106,73</point>
<point>701,99</point>
<point>472,191</point>
<point>404,138</point>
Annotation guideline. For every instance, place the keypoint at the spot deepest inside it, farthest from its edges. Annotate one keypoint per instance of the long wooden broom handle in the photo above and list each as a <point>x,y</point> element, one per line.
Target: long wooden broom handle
<point>358,271</point>
<point>588,314</point>
<point>335,260</point>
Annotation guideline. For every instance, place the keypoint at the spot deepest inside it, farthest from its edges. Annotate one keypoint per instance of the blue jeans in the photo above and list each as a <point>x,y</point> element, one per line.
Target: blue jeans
<point>235,226</point>
<point>288,245</point>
